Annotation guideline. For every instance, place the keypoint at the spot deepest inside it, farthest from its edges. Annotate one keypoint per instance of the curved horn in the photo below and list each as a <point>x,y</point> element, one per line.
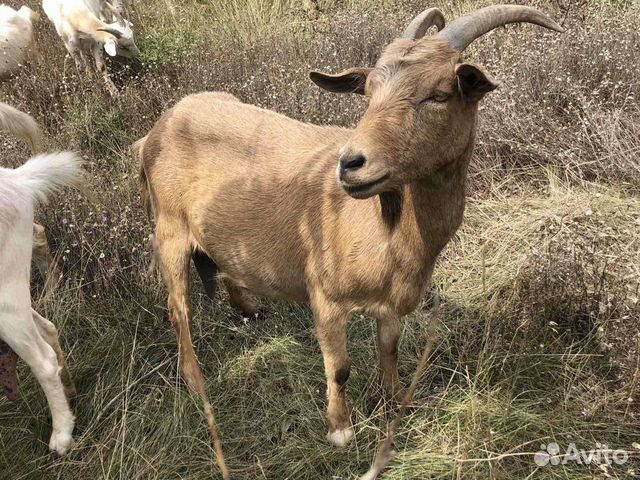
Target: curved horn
<point>116,13</point>
<point>112,31</point>
<point>464,30</point>
<point>419,25</point>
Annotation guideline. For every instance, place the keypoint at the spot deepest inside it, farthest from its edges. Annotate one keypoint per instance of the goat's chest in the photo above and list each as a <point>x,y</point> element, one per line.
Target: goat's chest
<point>380,266</point>
<point>371,273</point>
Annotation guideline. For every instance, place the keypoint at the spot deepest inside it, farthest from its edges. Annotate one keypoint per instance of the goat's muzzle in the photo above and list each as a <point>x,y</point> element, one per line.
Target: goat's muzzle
<point>360,176</point>
<point>350,163</point>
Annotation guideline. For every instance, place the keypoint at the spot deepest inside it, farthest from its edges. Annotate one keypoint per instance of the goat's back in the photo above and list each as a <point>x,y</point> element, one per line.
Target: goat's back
<point>16,37</point>
<point>254,189</point>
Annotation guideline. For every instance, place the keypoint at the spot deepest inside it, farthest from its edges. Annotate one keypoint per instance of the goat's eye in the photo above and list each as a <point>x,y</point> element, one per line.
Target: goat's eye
<point>436,97</point>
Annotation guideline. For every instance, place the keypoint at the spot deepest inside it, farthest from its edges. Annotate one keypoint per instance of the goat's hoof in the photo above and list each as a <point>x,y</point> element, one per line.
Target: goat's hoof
<point>61,442</point>
<point>341,437</point>
<point>262,313</point>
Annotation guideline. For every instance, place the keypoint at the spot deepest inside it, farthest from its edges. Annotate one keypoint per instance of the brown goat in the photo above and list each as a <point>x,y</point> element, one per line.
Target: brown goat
<point>252,196</point>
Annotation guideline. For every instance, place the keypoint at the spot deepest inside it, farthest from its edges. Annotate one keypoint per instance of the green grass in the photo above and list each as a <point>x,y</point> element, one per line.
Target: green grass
<point>538,342</point>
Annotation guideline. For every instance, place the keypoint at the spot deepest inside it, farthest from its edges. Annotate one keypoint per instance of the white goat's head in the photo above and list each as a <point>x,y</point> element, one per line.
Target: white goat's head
<point>123,43</point>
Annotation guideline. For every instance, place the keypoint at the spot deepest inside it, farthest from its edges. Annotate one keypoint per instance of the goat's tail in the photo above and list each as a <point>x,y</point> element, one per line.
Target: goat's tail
<point>138,152</point>
<point>22,125</point>
<point>44,174</point>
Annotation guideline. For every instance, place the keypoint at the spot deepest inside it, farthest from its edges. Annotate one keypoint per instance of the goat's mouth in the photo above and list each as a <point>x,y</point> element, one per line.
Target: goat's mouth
<point>365,190</point>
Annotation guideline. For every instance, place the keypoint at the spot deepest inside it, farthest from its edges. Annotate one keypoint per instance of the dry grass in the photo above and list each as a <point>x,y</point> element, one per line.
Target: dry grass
<point>540,340</point>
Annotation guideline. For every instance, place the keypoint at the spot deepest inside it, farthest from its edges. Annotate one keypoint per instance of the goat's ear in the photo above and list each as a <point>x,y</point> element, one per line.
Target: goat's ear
<point>110,48</point>
<point>353,80</point>
<point>474,82</point>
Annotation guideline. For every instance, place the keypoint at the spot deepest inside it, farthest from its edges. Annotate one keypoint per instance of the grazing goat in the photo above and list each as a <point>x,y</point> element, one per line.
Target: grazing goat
<point>16,38</point>
<point>83,26</point>
<point>254,198</point>
<point>27,334</point>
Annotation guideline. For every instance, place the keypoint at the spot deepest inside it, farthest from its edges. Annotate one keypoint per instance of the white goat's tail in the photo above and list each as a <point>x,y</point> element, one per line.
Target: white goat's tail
<point>22,125</point>
<point>44,174</point>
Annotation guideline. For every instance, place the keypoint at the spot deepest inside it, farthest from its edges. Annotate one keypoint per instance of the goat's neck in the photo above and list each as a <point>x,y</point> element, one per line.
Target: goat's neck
<point>424,215</point>
<point>89,24</point>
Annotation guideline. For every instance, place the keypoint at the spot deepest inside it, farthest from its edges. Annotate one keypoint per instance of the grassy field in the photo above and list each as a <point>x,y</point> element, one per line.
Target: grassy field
<point>540,339</point>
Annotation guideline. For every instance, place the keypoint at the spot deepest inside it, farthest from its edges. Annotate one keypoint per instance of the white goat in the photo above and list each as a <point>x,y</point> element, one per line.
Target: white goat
<point>16,38</point>
<point>83,26</point>
<point>24,126</point>
<point>31,336</point>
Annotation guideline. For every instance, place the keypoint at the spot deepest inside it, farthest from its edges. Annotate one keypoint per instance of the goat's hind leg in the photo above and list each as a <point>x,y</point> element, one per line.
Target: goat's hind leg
<point>19,330</point>
<point>174,251</point>
<point>44,260</point>
<point>50,335</point>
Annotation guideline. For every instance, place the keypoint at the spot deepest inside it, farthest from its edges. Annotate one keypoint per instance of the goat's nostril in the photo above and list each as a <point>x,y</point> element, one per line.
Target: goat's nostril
<point>352,162</point>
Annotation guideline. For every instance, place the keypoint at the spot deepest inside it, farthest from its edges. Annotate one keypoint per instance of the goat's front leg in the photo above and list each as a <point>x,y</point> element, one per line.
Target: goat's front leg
<point>388,339</point>
<point>74,48</point>
<point>101,67</point>
<point>331,331</point>
<point>20,332</point>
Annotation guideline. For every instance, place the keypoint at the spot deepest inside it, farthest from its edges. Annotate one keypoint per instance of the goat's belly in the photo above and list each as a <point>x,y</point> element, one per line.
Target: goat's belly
<point>257,247</point>
<point>266,284</point>
<point>266,269</point>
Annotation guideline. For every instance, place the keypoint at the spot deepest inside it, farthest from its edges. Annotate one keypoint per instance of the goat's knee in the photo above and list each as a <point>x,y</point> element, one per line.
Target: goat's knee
<point>388,339</point>
<point>44,365</point>
<point>342,374</point>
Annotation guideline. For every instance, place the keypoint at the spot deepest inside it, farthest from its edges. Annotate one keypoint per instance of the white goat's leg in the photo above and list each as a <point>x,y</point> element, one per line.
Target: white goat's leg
<point>20,332</point>
<point>50,335</point>
<point>75,51</point>
<point>41,254</point>
<point>43,259</point>
<point>101,67</point>
<point>83,64</point>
